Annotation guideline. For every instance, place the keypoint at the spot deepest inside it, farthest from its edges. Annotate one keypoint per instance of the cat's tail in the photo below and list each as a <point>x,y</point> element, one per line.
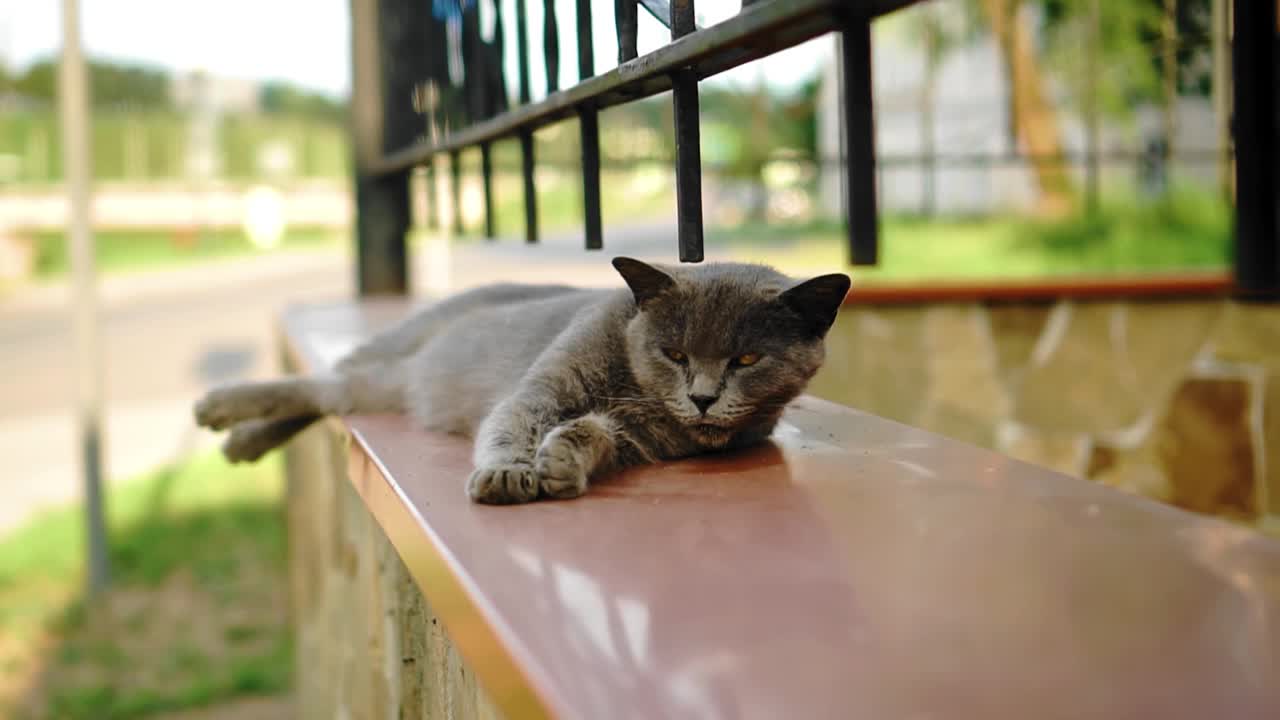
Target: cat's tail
<point>251,439</point>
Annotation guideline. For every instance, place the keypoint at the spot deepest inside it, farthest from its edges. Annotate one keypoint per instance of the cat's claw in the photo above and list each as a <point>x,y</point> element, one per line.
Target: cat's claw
<point>503,485</point>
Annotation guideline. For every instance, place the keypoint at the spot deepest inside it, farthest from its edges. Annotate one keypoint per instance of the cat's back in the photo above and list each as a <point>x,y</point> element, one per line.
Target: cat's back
<point>489,344</point>
<point>527,317</point>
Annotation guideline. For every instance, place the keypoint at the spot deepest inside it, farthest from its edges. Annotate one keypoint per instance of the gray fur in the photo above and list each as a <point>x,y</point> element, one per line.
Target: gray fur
<point>557,385</point>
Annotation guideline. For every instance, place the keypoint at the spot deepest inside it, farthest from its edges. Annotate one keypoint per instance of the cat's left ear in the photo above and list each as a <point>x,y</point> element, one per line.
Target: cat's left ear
<point>646,281</point>
<point>818,300</point>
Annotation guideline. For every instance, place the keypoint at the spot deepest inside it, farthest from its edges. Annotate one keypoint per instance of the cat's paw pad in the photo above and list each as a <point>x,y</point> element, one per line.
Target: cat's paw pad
<point>559,471</point>
<point>503,485</point>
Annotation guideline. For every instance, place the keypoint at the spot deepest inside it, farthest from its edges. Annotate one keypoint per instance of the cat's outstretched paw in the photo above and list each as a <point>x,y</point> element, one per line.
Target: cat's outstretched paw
<point>559,469</point>
<point>503,485</point>
<point>249,441</point>
<point>217,410</point>
<point>223,407</point>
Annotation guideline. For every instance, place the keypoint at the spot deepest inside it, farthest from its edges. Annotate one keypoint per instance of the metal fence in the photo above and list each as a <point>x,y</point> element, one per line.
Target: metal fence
<point>428,83</point>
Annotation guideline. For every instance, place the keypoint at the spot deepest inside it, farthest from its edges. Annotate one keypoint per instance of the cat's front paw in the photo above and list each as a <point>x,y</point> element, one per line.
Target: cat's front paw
<point>217,410</point>
<point>559,469</point>
<point>249,441</point>
<point>503,484</point>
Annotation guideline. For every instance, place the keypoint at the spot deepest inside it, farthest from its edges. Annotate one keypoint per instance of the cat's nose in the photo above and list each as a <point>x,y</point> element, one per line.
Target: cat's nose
<point>703,401</point>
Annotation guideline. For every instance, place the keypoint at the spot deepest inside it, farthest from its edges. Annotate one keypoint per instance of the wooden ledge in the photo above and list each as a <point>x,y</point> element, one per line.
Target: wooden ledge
<point>853,568</point>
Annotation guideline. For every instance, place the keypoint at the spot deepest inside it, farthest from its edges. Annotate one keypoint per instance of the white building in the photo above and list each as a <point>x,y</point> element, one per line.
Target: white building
<point>196,91</point>
<point>971,117</point>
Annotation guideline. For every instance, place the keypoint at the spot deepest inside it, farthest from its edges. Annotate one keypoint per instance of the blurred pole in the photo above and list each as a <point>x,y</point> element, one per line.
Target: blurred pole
<point>1222,92</point>
<point>1092,190</point>
<point>1169,63</point>
<point>73,102</point>
<point>928,91</point>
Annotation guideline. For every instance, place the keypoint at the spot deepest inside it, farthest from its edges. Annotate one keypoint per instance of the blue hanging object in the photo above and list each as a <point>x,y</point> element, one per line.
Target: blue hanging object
<point>449,9</point>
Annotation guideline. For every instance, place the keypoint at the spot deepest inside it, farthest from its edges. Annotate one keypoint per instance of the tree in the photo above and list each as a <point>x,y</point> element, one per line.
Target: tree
<point>758,125</point>
<point>1035,123</point>
<point>284,99</point>
<point>1149,51</point>
<point>112,86</point>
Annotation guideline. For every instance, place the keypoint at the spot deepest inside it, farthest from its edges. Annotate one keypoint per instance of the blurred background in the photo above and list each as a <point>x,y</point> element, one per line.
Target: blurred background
<point>1017,139</point>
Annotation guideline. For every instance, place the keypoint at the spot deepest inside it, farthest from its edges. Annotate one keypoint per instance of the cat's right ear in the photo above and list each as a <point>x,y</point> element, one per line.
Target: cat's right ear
<point>646,281</point>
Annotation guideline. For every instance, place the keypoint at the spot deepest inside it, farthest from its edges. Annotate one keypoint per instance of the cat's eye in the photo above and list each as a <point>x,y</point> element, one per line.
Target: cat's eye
<point>675,355</point>
<point>745,360</point>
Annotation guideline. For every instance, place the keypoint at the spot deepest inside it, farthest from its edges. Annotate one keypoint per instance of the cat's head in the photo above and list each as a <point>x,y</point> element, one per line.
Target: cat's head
<point>725,345</point>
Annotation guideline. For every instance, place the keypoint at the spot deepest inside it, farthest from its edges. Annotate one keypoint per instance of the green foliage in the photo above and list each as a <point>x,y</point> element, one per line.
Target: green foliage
<point>626,197</point>
<point>747,128</point>
<point>194,614</point>
<point>151,145</point>
<point>1188,231</point>
<point>1129,62</point>
<point>120,250</point>
<point>111,86</point>
<point>936,27</point>
<point>137,134</point>
<point>319,147</point>
<point>284,99</point>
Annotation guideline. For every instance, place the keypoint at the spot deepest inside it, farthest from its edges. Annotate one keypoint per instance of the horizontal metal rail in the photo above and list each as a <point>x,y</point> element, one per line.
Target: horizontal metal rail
<point>761,29</point>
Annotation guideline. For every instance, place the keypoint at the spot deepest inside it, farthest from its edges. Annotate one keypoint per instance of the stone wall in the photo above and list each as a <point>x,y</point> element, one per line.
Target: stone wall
<point>1175,400</point>
<point>367,643</point>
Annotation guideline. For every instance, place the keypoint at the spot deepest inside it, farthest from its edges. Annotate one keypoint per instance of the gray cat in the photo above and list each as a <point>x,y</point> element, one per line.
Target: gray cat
<point>558,385</point>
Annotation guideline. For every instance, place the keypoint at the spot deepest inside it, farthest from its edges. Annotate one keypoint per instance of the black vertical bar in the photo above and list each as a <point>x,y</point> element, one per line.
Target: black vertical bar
<point>433,213</point>
<point>589,124</point>
<point>455,190</point>
<point>500,59</point>
<point>859,141</point>
<point>382,223</point>
<point>522,47</point>
<point>684,91</point>
<point>551,44</point>
<point>486,176</point>
<point>682,18</point>
<point>387,73</point>
<point>626,21</point>
<point>1256,122</point>
<point>530,192</point>
<point>586,48</point>
<point>589,136</point>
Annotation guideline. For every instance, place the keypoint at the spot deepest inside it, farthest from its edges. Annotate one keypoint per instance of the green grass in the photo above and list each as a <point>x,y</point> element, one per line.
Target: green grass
<point>1188,232</point>
<point>131,250</point>
<point>141,146</point>
<point>625,197</point>
<point>195,613</point>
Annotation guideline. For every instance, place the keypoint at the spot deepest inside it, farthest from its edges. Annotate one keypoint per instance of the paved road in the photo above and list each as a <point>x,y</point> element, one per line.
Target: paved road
<point>170,334</point>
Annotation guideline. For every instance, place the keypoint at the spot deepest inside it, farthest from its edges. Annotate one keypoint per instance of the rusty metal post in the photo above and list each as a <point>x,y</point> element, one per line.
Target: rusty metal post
<point>73,105</point>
